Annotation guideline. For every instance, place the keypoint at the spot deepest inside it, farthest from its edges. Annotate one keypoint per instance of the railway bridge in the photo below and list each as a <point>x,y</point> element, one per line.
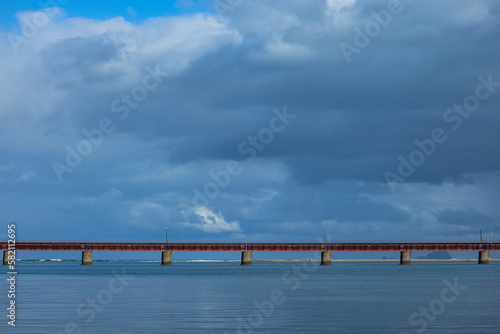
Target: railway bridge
<point>246,249</point>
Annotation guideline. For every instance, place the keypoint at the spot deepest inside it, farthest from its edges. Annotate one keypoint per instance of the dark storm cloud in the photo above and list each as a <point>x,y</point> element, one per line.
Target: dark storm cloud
<point>367,112</point>
<point>469,217</point>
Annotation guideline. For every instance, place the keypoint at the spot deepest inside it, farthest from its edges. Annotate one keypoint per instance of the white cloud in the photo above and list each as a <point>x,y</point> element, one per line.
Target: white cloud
<point>335,7</point>
<point>211,222</point>
<point>74,53</point>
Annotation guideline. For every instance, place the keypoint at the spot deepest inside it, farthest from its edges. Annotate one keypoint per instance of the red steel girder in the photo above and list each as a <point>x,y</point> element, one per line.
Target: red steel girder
<point>226,247</point>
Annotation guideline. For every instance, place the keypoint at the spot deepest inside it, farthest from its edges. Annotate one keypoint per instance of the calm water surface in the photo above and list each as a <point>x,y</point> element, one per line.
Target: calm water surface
<point>224,297</point>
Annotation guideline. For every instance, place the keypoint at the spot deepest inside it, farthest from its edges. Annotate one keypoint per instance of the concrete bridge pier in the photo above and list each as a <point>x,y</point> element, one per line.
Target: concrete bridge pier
<point>484,257</point>
<point>166,258</point>
<point>326,258</point>
<point>5,257</point>
<point>405,257</point>
<point>246,258</point>
<point>86,258</point>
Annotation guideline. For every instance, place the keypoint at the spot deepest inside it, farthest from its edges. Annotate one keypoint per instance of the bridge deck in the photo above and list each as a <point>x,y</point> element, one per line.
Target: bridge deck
<point>251,246</point>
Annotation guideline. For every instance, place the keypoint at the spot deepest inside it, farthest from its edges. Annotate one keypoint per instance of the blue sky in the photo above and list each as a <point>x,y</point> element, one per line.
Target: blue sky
<point>257,121</point>
<point>133,11</point>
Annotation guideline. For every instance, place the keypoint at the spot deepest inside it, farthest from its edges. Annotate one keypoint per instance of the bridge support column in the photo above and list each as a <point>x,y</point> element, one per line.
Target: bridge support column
<point>484,257</point>
<point>5,257</point>
<point>326,258</point>
<point>246,258</point>
<point>405,257</point>
<point>86,258</point>
<point>166,258</point>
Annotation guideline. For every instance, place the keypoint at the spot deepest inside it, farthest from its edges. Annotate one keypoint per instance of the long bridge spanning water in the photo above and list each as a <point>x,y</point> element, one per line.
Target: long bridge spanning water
<point>246,249</point>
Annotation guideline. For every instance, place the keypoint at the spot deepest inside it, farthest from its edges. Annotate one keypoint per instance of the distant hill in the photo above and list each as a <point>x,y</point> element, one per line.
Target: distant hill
<point>441,255</point>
